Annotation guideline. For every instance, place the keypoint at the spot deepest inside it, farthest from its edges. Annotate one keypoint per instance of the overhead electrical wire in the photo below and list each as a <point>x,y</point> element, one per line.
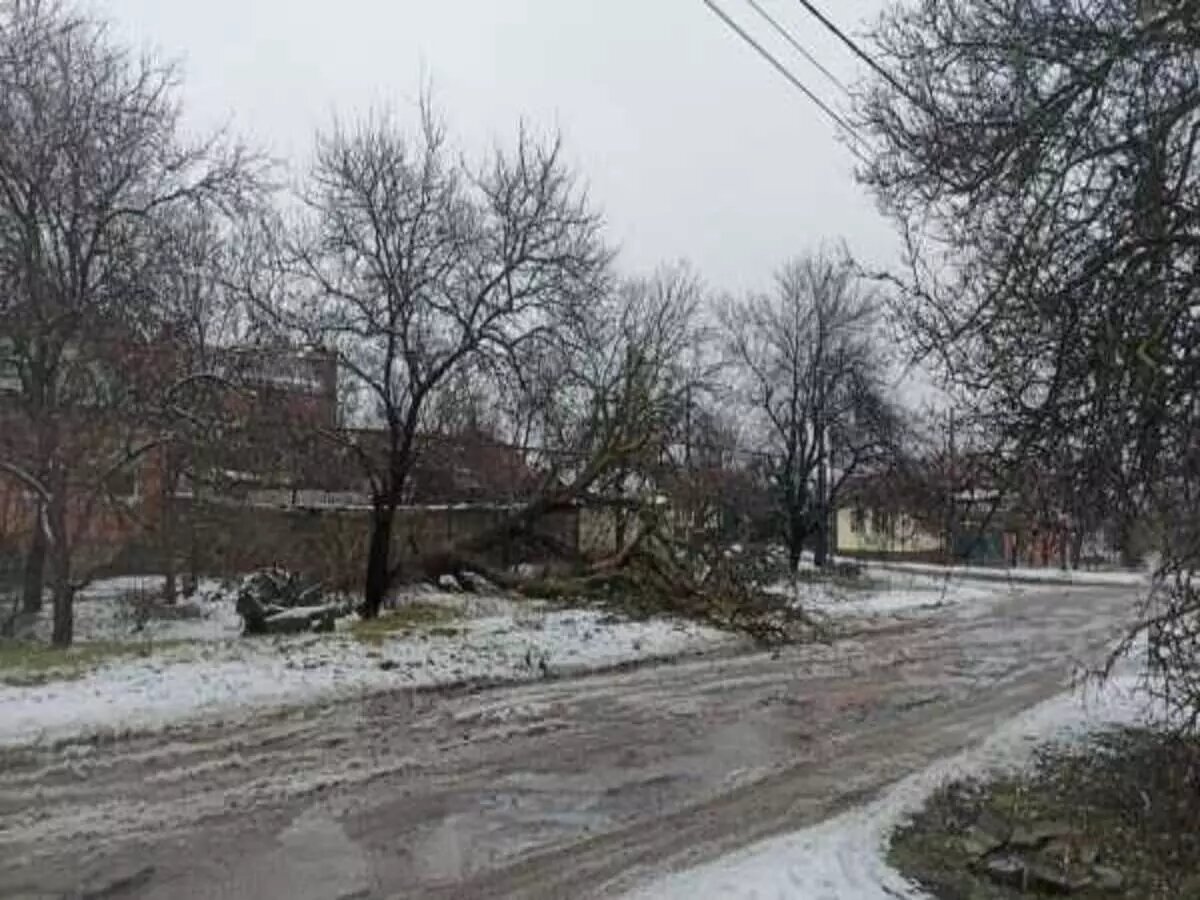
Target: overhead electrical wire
<point>786,73</point>
<point>800,48</point>
<point>854,47</point>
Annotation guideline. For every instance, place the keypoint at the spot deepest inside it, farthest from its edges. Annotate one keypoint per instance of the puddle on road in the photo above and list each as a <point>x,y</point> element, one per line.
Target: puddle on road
<point>314,859</point>
<point>504,827</point>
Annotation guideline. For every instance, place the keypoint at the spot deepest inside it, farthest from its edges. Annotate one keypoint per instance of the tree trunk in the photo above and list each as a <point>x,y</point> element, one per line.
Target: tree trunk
<point>1076,548</point>
<point>64,610</point>
<point>821,549</point>
<point>1126,530</point>
<point>167,539</point>
<point>170,583</point>
<point>35,569</point>
<point>379,571</point>
<point>191,580</point>
<point>796,533</point>
<point>60,572</point>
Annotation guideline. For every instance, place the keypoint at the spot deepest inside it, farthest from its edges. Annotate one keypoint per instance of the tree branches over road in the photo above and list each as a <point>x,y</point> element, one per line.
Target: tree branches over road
<point>1042,165</point>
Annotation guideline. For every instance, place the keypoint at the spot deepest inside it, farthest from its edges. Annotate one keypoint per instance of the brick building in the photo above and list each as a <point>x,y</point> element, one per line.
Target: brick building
<point>273,442</point>
<point>121,469</point>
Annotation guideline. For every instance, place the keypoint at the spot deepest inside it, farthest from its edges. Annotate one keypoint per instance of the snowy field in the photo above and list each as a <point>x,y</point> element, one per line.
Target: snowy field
<point>844,856</point>
<point>208,672</point>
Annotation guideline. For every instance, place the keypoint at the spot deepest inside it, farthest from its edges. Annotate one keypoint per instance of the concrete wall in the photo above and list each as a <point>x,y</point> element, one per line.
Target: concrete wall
<point>331,544</point>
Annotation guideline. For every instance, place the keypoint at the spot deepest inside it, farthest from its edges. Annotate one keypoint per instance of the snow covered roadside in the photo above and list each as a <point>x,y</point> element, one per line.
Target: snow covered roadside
<point>1081,577</point>
<point>215,677</point>
<point>887,596</point>
<point>844,856</point>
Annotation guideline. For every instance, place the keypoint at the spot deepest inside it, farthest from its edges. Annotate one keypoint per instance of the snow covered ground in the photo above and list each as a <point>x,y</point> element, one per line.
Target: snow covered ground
<point>106,611</point>
<point>844,856</point>
<point>1009,574</point>
<point>887,594</point>
<point>197,667</point>
<point>1083,577</point>
<point>897,589</point>
<point>214,674</point>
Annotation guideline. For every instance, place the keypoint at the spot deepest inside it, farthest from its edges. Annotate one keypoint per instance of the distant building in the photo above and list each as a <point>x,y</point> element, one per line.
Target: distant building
<point>893,515</point>
<point>263,397</point>
<point>866,531</point>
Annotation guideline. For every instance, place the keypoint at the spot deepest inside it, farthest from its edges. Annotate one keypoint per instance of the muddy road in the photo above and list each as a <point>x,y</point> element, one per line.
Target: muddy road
<point>572,788</point>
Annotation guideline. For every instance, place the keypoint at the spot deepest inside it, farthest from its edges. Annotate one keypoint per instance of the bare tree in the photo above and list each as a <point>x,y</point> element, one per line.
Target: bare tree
<point>92,169</point>
<point>203,353</point>
<point>810,369</point>
<point>413,266</point>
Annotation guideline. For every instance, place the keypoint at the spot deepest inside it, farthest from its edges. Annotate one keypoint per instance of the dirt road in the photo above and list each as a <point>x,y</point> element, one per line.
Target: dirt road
<point>567,788</point>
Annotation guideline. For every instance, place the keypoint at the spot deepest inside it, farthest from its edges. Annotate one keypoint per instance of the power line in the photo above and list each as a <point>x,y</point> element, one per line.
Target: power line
<point>787,36</point>
<point>783,70</point>
<point>857,50</point>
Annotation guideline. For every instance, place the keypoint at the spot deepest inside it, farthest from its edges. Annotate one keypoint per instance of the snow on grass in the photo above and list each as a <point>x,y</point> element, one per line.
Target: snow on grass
<point>845,856</point>
<point>109,611</point>
<point>223,679</point>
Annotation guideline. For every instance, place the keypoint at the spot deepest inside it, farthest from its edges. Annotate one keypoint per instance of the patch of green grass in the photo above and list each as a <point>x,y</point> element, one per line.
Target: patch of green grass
<point>29,662</point>
<point>407,619</point>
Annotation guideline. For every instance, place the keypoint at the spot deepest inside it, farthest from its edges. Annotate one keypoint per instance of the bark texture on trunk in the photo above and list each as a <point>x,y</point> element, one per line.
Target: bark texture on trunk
<point>34,582</point>
<point>1126,540</point>
<point>64,598</point>
<point>797,532</point>
<point>64,612</point>
<point>1076,548</point>
<point>821,550</point>
<point>59,556</point>
<point>379,571</point>
<point>167,541</point>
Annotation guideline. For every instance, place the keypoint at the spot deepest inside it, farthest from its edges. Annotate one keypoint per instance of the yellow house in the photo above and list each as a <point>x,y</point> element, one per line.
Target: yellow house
<point>862,530</point>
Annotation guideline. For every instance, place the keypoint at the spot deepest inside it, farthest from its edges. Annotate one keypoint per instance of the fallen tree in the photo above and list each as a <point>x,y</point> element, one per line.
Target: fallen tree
<point>273,601</point>
<point>609,401</point>
<point>654,573</point>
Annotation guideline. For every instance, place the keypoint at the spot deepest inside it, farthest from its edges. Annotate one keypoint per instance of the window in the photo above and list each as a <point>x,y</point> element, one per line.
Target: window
<point>858,520</point>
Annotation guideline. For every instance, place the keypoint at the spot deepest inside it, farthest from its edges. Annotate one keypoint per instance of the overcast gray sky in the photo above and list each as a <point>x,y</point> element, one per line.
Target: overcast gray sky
<point>691,144</point>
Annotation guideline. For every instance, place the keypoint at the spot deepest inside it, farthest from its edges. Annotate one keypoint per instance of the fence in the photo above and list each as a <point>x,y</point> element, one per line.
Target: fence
<point>331,543</point>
